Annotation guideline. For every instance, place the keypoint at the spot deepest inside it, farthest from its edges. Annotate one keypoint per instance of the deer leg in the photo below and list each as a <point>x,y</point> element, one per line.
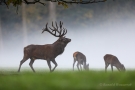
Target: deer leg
<point>54,62</point>
<point>21,62</point>
<point>49,64</point>
<point>31,64</point>
<point>112,67</point>
<point>74,64</point>
<point>78,66</point>
<point>106,65</point>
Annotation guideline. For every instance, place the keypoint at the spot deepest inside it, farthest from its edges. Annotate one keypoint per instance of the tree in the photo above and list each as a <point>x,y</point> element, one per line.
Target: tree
<point>64,3</point>
<point>52,12</point>
<point>1,40</point>
<point>24,25</point>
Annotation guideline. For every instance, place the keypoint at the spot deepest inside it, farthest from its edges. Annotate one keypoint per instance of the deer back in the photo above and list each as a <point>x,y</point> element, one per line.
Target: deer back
<point>79,57</point>
<point>47,51</point>
<point>38,51</point>
<point>111,59</point>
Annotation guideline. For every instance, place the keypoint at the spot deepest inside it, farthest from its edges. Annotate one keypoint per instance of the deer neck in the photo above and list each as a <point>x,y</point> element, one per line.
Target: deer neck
<point>59,47</point>
<point>118,64</point>
<point>60,44</point>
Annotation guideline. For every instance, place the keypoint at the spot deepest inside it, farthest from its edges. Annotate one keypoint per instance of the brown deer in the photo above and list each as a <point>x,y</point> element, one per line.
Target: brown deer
<point>81,60</point>
<point>113,60</point>
<point>47,52</point>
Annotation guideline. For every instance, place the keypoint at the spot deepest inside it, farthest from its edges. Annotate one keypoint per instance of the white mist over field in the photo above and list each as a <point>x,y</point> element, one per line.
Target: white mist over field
<point>94,30</point>
<point>117,39</point>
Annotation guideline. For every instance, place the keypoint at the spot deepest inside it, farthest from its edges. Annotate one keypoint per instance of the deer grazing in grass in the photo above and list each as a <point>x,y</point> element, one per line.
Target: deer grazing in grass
<point>113,60</point>
<point>81,60</point>
<point>47,52</point>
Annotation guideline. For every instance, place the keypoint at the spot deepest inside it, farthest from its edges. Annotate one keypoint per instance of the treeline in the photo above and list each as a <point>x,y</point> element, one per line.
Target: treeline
<point>76,16</point>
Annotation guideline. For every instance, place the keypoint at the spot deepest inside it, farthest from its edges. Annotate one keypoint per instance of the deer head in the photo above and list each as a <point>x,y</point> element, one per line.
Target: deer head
<point>86,67</point>
<point>122,67</point>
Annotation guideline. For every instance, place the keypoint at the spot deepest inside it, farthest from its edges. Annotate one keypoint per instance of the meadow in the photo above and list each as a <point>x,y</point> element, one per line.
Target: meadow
<point>67,80</point>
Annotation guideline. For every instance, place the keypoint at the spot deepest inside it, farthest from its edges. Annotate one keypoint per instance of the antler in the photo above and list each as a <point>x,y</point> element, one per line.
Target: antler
<point>61,32</point>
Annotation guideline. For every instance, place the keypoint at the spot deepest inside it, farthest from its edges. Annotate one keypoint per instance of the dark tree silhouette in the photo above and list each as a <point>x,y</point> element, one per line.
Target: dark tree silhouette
<point>64,3</point>
<point>60,2</point>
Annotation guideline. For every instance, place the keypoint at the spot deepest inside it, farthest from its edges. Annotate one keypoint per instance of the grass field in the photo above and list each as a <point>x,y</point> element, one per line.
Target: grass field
<point>67,80</point>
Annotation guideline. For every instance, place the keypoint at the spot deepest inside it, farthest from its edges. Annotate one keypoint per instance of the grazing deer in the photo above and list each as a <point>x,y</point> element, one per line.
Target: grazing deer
<point>113,60</point>
<point>47,52</point>
<point>81,59</point>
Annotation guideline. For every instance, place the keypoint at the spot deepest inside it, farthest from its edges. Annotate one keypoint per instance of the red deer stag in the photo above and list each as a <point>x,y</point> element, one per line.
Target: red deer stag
<point>113,60</point>
<point>81,59</point>
<point>47,52</point>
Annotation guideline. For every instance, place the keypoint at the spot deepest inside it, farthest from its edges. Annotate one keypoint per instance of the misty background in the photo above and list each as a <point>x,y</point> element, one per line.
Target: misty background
<point>95,29</point>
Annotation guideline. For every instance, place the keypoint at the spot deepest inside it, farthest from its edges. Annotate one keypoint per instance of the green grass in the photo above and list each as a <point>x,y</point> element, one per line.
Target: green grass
<point>67,80</point>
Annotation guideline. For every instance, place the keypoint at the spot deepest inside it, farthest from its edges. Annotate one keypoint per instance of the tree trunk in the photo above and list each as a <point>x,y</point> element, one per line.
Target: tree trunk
<point>1,37</point>
<point>52,11</point>
<point>25,38</point>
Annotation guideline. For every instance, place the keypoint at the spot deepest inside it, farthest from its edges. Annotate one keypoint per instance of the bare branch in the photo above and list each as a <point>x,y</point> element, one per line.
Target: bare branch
<point>60,2</point>
<point>3,2</point>
<point>81,1</point>
<point>33,2</point>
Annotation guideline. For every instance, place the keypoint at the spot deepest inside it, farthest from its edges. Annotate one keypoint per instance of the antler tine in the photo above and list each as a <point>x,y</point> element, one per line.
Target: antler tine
<point>61,23</point>
<point>56,29</point>
<point>64,32</point>
<point>61,28</point>
<point>53,30</point>
<point>56,25</point>
<point>61,32</point>
<point>53,27</point>
<point>45,29</point>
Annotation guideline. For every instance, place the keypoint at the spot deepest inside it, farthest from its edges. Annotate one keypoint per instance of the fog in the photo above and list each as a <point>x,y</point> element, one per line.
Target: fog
<point>114,35</point>
<point>117,40</point>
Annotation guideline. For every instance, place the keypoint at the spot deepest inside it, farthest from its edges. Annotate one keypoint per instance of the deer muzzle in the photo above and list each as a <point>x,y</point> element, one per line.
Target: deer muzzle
<point>69,40</point>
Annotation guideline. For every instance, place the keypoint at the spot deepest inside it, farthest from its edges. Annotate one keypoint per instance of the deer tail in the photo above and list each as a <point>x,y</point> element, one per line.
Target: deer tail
<point>74,58</point>
<point>26,50</point>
